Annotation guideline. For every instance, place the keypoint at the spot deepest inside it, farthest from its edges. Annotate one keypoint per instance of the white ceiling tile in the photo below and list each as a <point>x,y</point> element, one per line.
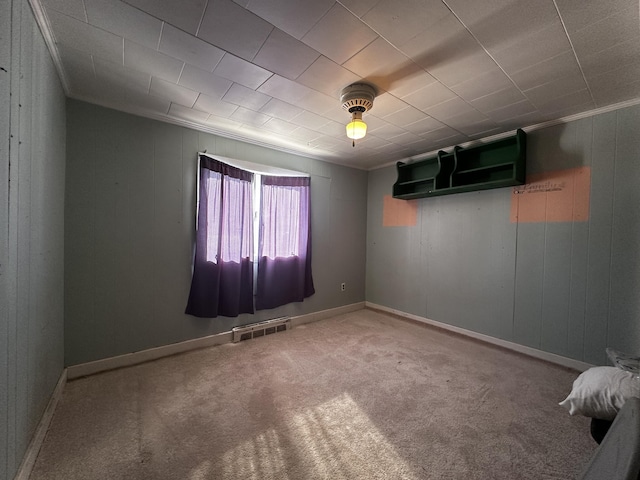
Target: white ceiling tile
<point>184,113</point>
<point>245,97</point>
<point>310,120</point>
<point>88,88</point>
<point>570,101</point>
<point>624,75</point>
<point>305,134</point>
<point>486,133</point>
<point>339,35</point>
<point>406,116</point>
<point>214,106</point>
<point>577,15</point>
<point>622,93</point>
<point>279,126</point>
<point>316,102</point>
<point>153,62</point>
<point>337,113</point>
<point>359,7</point>
<point>123,76</point>
<point>458,84</point>
<point>406,138</point>
<point>562,65</point>
<point>283,89</point>
<point>498,23</point>
<point>420,146</point>
<point>223,123</point>
<point>386,104</point>
<point>330,143</point>
<point>524,120</point>
<point>86,38</point>
<point>429,96</point>
<point>173,92</point>
<point>510,111</point>
<point>285,55</point>
<point>148,103</point>
<point>371,141</point>
<point>72,8</point>
<point>450,108</point>
<point>291,16</point>
<point>335,128</point>
<point>423,126</point>
<point>240,71</point>
<point>537,47</point>
<point>616,28</point>
<point>482,85</point>
<point>73,59</point>
<point>458,71</point>
<point>412,80</point>
<point>499,99</point>
<point>558,88</point>
<point>124,20</point>
<point>448,51</point>
<point>440,136</point>
<point>400,20</point>
<point>610,59</point>
<point>185,14</point>
<point>379,57</point>
<point>372,122</point>
<point>204,82</point>
<point>471,125</point>
<point>189,49</point>
<point>80,78</point>
<point>387,131</point>
<point>281,110</point>
<point>328,77</point>
<point>250,117</point>
<point>234,29</point>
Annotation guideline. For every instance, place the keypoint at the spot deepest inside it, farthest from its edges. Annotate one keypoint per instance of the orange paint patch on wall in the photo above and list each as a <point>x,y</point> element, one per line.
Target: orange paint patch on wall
<point>399,213</point>
<point>560,196</point>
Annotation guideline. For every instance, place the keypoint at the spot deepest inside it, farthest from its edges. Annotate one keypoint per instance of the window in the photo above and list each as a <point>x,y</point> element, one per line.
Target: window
<point>223,272</point>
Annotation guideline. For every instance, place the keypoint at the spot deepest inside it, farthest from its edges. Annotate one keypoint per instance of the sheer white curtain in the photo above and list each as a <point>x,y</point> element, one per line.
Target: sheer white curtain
<point>222,282</point>
<point>284,252</point>
<point>229,219</point>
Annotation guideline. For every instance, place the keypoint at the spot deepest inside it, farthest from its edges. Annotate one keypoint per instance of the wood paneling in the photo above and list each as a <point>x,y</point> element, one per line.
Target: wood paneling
<point>130,213</point>
<point>565,287</point>
<point>32,164</point>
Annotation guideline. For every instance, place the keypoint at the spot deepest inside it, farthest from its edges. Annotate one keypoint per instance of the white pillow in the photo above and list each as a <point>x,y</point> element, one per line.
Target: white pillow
<point>600,392</point>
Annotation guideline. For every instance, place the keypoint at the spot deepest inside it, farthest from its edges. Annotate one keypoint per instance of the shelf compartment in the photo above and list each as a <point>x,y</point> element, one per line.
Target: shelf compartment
<point>496,164</point>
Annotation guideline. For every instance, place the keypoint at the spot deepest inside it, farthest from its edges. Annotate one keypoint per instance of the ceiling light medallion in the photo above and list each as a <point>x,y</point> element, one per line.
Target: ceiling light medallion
<point>357,99</point>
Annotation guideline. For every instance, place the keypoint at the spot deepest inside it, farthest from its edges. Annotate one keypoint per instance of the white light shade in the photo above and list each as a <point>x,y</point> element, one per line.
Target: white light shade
<point>356,128</point>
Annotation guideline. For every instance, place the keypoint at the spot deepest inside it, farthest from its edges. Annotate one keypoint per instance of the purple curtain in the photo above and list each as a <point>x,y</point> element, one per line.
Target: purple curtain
<point>222,282</point>
<point>284,252</point>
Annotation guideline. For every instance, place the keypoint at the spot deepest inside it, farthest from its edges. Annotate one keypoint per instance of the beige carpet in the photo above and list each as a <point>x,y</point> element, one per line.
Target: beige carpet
<point>358,396</point>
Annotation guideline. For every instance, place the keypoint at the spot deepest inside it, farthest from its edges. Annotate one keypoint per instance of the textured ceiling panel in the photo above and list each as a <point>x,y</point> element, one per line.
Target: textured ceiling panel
<point>271,71</point>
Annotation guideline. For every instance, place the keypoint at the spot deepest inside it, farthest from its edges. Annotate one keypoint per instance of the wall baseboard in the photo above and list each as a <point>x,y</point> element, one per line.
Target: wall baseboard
<point>129,359</point>
<point>322,314</point>
<point>30,456</point>
<point>532,352</point>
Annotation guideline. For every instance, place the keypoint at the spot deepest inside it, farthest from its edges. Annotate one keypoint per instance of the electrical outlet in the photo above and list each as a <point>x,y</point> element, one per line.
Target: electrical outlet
<point>343,287</point>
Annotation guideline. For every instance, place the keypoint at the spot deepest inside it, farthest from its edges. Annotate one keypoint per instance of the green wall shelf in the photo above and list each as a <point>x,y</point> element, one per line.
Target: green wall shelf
<point>500,163</point>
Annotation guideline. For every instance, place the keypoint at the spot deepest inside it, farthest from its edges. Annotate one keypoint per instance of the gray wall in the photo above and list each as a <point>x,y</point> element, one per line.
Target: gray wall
<point>129,232</point>
<point>32,164</point>
<point>570,288</point>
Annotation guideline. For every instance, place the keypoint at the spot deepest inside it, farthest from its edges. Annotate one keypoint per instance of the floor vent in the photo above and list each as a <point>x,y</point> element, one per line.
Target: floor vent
<point>261,329</point>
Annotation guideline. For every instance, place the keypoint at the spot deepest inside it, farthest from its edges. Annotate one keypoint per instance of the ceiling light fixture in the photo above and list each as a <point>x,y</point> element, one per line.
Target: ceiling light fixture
<point>357,99</point>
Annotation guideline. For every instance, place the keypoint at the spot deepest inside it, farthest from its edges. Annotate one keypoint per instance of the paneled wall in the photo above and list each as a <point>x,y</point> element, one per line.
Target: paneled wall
<point>32,164</point>
<point>555,277</point>
<point>129,232</point>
